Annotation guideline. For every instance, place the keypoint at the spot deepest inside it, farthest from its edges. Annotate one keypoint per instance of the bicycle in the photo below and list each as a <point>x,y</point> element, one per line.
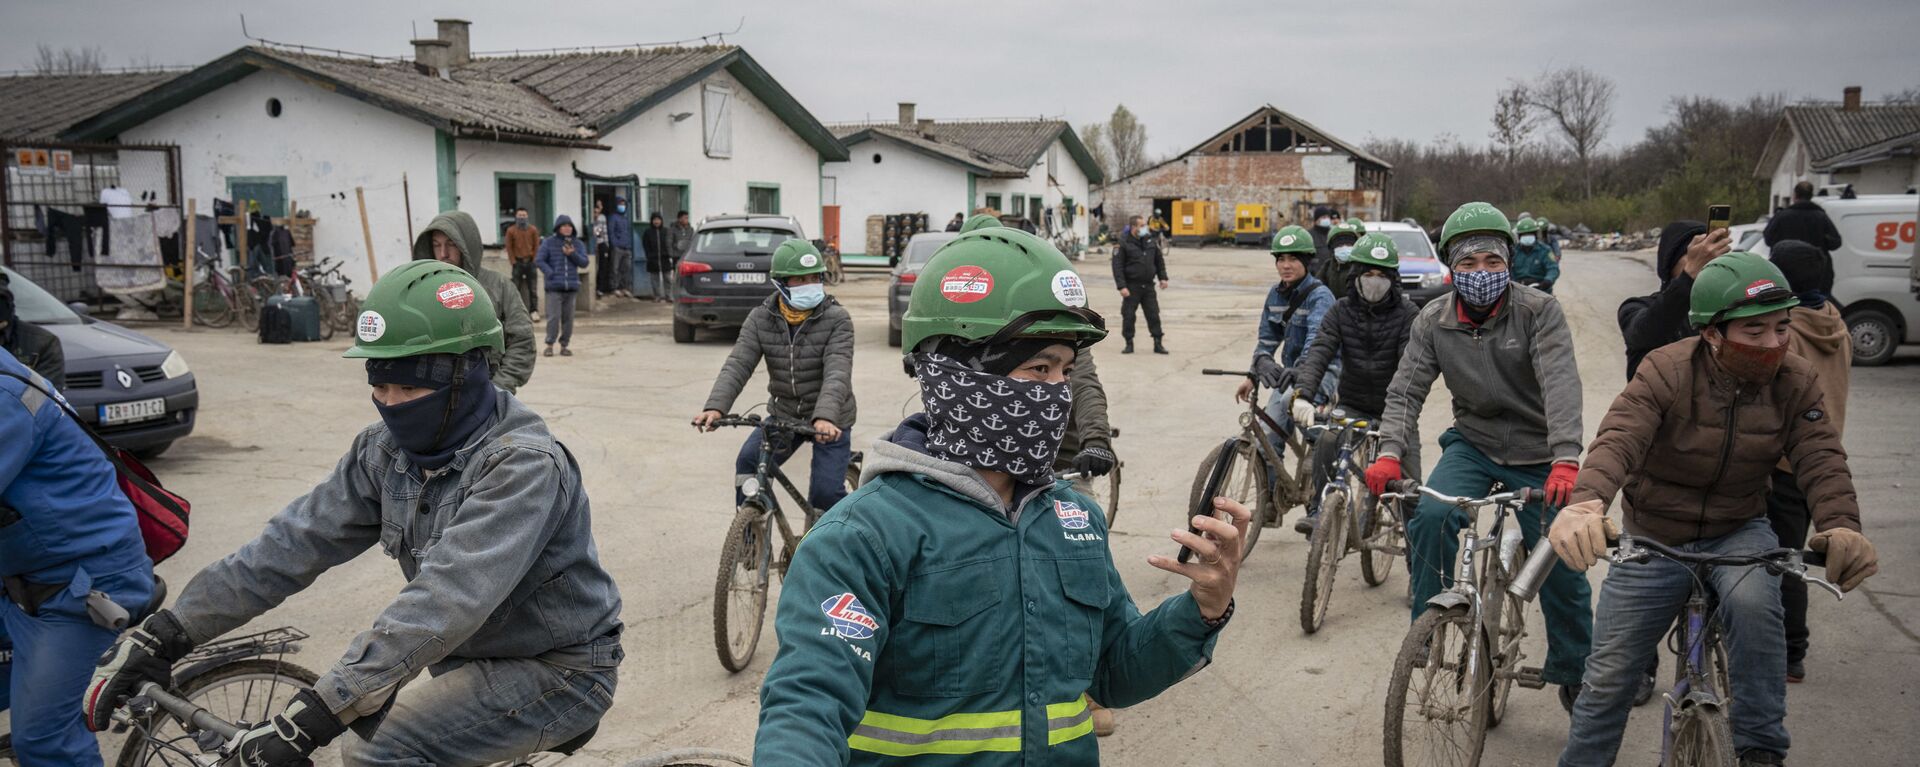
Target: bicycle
<point>330,289</point>
<point>219,298</point>
<point>1339,530</point>
<point>247,678</point>
<point>1461,657</point>
<point>1696,731</point>
<point>747,561</point>
<point>1247,468</point>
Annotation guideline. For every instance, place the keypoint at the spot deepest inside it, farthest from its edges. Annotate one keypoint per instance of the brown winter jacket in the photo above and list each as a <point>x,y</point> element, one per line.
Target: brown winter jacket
<point>523,243</point>
<point>1821,336</point>
<point>1691,452</point>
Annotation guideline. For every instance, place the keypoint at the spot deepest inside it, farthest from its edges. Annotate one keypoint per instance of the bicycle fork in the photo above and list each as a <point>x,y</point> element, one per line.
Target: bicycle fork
<point>1693,689</point>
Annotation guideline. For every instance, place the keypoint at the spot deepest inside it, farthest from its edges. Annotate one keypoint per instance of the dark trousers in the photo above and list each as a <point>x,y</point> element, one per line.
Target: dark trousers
<point>526,280</point>
<point>1140,297</point>
<point>1790,517</point>
<point>560,316</point>
<point>603,272</point>
<point>826,480</point>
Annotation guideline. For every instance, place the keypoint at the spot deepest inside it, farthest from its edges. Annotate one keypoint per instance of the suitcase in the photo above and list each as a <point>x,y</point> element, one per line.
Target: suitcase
<point>302,313</point>
<point>276,323</point>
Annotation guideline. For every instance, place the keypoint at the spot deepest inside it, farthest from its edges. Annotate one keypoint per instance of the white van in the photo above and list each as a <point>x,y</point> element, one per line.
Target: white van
<point>1873,273</point>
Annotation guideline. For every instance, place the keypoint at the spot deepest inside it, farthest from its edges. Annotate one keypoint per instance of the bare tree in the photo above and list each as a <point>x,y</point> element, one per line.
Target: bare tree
<point>67,61</point>
<point>1094,135</point>
<point>1513,123</point>
<point>1579,103</point>
<point>1908,96</point>
<point>1128,138</point>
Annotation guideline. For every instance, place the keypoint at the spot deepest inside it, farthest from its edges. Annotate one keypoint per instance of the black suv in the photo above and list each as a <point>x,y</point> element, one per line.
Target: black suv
<point>725,275</point>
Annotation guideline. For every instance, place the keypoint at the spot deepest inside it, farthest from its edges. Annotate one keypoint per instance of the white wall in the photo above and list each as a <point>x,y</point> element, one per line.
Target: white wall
<point>1068,181</point>
<point>478,161</point>
<point>904,181</point>
<point>324,144</point>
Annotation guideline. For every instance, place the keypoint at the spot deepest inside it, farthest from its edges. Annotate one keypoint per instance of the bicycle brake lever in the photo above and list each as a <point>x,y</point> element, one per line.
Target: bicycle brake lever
<point>1825,584</point>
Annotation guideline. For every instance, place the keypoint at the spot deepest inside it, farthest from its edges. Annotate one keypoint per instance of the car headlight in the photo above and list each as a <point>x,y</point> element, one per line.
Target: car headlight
<point>175,366</point>
<point>1431,279</point>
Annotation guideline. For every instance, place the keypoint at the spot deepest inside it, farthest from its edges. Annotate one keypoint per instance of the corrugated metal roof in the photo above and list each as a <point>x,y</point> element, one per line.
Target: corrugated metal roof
<point>472,97</point>
<point>595,88</point>
<point>938,145</point>
<point>41,106</point>
<point>1829,131</point>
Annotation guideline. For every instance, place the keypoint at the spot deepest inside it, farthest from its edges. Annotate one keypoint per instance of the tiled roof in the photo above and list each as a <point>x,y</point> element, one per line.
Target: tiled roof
<point>473,98</point>
<point>1015,142</point>
<point>41,106</point>
<point>596,87</point>
<point>938,144</point>
<point>1828,131</point>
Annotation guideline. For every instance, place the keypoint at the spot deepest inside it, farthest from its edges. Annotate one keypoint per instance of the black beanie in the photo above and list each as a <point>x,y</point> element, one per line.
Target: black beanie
<point>1808,269</point>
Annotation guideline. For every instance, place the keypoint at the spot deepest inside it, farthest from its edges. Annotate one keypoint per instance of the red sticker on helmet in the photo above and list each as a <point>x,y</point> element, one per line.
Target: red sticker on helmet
<point>1759,286</point>
<point>455,295</point>
<point>966,284</point>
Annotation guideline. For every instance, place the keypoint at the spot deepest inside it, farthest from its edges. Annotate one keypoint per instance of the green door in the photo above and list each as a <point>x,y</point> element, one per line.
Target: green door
<point>269,191</point>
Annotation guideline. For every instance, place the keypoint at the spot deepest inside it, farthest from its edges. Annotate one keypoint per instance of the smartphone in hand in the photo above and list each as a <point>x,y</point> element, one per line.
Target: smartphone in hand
<point>1719,216</point>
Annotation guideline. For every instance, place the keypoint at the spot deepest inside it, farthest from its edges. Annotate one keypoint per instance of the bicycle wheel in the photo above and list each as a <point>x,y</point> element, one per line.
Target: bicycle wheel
<point>740,590</point>
<point>1434,712</point>
<point>210,306</point>
<point>1235,469</point>
<point>1506,620</point>
<point>1702,737</point>
<point>329,314</point>
<point>1385,532</point>
<point>251,690</point>
<point>1111,501</point>
<point>1328,544</point>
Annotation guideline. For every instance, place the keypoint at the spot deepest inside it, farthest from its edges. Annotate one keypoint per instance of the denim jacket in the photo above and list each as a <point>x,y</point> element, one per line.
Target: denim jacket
<point>497,549</point>
<point>1294,335</point>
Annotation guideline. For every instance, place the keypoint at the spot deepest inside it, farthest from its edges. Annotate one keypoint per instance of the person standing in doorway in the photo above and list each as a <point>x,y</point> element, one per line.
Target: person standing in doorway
<point>1136,266</point>
<point>603,253</point>
<point>523,244</point>
<point>620,237</point>
<point>654,241</point>
<point>561,257</point>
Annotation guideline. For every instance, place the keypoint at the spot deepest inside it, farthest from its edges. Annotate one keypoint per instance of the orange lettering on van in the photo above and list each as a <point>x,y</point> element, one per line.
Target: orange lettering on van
<point>1883,235</point>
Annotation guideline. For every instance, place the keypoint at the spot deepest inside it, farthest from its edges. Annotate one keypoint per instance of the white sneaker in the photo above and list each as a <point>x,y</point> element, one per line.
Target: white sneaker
<point>534,315</point>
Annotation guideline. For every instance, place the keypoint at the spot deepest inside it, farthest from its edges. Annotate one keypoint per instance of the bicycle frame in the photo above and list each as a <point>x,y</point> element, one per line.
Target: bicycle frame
<point>1250,430</point>
<point>765,467</point>
<point>1693,689</point>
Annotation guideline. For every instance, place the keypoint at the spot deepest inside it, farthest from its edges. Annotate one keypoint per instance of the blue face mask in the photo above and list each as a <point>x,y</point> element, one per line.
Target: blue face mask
<point>1481,288</point>
<point>620,208</point>
<point>1343,253</point>
<point>804,297</point>
<point>1528,239</point>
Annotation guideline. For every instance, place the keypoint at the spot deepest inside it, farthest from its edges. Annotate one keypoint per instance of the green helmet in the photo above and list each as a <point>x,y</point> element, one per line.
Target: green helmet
<point>425,307</point>
<point>1348,228</point>
<point>1526,226</point>
<point>1376,249</point>
<point>996,283</point>
<point>796,257</point>
<point>1474,218</point>
<point>1295,239</point>
<point>1738,284</point>
<point>979,221</point>
<point>1357,224</point>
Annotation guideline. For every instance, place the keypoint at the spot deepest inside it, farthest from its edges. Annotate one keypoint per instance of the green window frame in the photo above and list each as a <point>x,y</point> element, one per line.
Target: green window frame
<point>774,195</point>
<point>280,181</point>
<point>1019,206</point>
<point>538,218</point>
<point>993,201</point>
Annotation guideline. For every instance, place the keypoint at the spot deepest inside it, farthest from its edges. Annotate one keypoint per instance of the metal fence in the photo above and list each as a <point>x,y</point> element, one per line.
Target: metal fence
<point>93,222</point>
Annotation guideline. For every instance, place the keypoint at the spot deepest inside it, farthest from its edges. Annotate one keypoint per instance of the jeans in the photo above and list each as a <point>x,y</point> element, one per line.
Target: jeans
<point>623,269</point>
<point>1433,541</point>
<point>1140,297</point>
<point>560,316</point>
<point>1789,515</point>
<point>1638,602</point>
<point>659,284</point>
<point>481,711</point>
<point>526,279</point>
<point>53,657</point>
<point>826,480</point>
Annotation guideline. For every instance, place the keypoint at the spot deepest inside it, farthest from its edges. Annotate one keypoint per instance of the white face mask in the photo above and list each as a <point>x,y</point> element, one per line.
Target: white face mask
<point>1528,239</point>
<point>1324,223</point>
<point>1343,253</point>
<point>1374,288</point>
<point>805,297</point>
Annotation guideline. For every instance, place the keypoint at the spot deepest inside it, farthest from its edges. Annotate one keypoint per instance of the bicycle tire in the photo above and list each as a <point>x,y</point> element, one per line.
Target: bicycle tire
<point>1324,551</point>
<point>1702,737</point>
<point>1375,564</point>
<point>1111,503</point>
<point>210,306</point>
<point>136,753</point>
<point>329,311</point>
<point>1505,619</point>
<point>1436,623</point>
<point>1248,488</point>
<point>734,556</point>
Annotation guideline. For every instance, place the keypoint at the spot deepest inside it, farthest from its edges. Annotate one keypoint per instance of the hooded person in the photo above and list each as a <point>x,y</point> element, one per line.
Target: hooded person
<point>1534,263</point>
<point>1332,271</point>
<point>486,515</point>
<point>34,346</point>
<point>1652,321</point>
<point>560,258</point>
<point>907,621</point>
<point>453,237</point>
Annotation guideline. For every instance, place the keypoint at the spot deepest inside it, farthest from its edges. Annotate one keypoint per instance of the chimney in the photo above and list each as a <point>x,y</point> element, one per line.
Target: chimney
<point>431,56</point>
<point>454,32</point>
<point>906,114</point>
<point>925,127</point>
<point>1850,99</point>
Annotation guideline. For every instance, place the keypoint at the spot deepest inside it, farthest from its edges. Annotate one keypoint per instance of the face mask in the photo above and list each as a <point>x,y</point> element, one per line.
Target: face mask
<point>1343,253</point>
<point>804,297</point>
<point>1528,239</point>
<point>620,208</point>
<point>432,428</point>
<point>993,422</point>
<point>1324,223</point>
<point>1749,363</point>
<point>1374,288</point>
<point>1481,288</point>
<point>520,221</point>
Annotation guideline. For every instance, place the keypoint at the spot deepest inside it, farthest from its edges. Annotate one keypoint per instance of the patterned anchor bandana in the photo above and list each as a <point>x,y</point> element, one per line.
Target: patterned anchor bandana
<point>989,421</point>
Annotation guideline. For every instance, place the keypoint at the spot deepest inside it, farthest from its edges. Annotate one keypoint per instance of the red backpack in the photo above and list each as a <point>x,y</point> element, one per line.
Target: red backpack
<point>162,514</point>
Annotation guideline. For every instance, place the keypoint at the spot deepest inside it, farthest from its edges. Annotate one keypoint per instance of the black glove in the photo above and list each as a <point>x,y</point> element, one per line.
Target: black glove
<point>1094,460</point>
<point>1271,373</point>
<point>287,739</point>
<point>145,653</point>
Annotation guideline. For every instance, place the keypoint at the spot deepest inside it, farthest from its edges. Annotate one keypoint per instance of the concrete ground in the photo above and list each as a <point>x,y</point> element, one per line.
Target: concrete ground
<point>276,419</point>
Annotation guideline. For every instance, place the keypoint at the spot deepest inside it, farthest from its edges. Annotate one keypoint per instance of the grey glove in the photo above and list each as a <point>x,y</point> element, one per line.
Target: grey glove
<point>1271,373</point>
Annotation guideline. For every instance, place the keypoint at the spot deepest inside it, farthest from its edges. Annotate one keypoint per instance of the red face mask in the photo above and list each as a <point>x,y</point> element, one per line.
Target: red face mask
<point>1753,364</point>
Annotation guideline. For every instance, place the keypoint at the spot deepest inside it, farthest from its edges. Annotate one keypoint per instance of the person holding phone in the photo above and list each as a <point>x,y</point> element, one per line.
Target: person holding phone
<point>561,257</point>
<point>1652,321</point>
<point>961,604</point>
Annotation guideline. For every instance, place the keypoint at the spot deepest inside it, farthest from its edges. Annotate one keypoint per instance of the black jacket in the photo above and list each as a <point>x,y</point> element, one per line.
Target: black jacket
<point>1652,321</point>
<point>1138,261</point>
<point>1369,338</point>
<point>1803,221</point>
<point>654,241</point>
<point>36,348</point>
<point>809,366</point>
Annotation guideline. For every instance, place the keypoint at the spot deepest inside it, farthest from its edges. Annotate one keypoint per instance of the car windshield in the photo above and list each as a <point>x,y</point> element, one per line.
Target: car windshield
<point>35,305</point>
<point>742,240</point>
<point>920,250</point>
<point>1747,239</point>
<point>1411,244</point>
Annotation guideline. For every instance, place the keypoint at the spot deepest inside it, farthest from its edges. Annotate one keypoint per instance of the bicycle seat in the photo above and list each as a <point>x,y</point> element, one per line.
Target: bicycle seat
<point>154,603</point>
<point>578,742</point>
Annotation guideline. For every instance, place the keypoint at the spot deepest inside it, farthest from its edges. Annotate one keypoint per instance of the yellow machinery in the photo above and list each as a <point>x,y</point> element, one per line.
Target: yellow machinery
<point>1252,224</point>
<point>1195,222</point>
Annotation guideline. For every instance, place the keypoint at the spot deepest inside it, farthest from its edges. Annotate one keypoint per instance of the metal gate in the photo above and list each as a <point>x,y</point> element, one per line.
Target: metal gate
<point>93,222</point>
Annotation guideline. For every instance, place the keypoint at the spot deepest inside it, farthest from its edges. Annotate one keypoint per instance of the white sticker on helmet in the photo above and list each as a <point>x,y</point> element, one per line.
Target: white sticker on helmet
<point>1069,289</point>
<point>809,260</point>
<point>1286,239</point>
<point>1379,252</point>
<point>371,326</point>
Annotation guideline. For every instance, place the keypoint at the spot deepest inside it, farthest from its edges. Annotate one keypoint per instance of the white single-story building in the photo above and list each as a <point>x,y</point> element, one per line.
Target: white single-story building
<point>702,129</point>
<point>1037,169</point>
<point>1875,148</point>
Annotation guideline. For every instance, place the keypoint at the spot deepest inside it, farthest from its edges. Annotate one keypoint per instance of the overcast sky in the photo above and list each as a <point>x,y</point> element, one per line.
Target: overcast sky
<point>1401,68</point>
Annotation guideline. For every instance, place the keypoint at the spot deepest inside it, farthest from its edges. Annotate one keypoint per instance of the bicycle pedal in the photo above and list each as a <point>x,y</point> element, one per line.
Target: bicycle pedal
<point>1529,677</point>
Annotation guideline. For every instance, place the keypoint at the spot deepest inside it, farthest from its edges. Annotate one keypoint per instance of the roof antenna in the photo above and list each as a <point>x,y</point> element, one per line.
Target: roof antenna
<point>415,26</point>
<point>243,28</point>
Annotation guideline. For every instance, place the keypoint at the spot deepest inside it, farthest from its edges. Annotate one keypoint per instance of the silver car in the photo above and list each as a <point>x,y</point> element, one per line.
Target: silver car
<point>920,250</point>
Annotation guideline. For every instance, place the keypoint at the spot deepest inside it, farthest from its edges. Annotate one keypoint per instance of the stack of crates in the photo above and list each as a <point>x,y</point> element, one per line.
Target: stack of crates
<point>896,230</point>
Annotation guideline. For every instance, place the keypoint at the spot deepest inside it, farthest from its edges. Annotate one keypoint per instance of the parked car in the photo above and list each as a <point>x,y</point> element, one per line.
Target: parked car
<point>136,392</point>
<point>1871,271</point>
<point>1746,236</point>
<point>920,250</point>
<point>1422,276</point>
<point>725,275</point>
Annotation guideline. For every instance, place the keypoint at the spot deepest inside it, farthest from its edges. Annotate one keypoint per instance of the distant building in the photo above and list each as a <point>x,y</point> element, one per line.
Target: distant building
<point>1036,169</point>
<point>1873,147</point>
<point>1269,157</point>
<point>699,128</point>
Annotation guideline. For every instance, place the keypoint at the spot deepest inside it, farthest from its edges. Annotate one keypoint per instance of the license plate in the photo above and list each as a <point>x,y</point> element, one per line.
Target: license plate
<point>122,412</point>
<point>744,278</point>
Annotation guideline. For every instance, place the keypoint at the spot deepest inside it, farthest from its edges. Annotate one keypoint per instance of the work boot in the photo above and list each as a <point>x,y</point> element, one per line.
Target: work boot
<point>1158,348</point>
<point>534,315</point>
<point>1757,758</point>
<point>1645,693</point>
<point>1568,694</point>
<point>1128,349</point>
<point>1306,524</point>
<point>1796,671</point>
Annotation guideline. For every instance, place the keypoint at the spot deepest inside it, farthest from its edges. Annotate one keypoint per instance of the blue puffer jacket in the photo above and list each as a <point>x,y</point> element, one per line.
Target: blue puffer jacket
<point>556,263</point>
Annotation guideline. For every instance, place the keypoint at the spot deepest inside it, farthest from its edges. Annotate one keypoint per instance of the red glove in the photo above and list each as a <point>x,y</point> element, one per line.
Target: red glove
<point>1385,469</point>
<point>1559,482</point>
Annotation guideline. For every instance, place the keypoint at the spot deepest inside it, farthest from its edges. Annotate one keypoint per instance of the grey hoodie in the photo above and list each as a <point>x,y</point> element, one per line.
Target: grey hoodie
<point>513,369</point>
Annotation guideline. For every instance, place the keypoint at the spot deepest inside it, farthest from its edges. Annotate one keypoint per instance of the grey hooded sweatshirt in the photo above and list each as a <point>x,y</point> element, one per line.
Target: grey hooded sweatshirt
<point>513,369</point>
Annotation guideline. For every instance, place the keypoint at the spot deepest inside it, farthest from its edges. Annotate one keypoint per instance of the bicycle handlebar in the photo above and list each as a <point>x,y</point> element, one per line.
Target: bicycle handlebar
<point>1219,372</point>
<point>1783,561</point>
<point>1408,488</point>
<point>186,712</point>
<point>774,424</point>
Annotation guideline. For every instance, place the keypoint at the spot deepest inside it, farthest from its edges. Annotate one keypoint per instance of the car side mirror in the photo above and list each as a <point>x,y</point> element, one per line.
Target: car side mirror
<point>80,308</point>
